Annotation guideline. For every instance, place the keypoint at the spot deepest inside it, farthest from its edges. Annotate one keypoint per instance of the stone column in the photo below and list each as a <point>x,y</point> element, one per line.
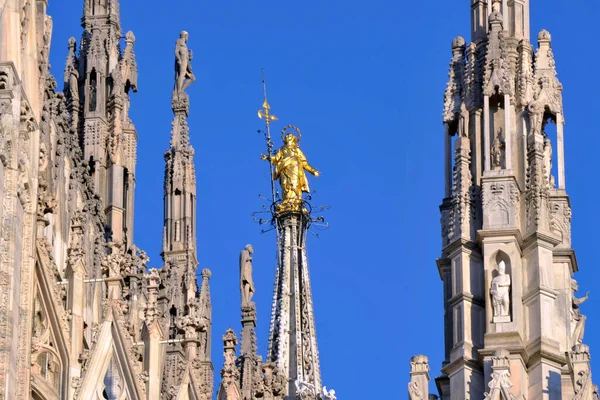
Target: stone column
<point>508,133</point>
<point>76,297</point>
<point>560,149</point>
<point>486,133</point>
<point>447,162</point>
<point>248,350</point>
<point>152,335</point>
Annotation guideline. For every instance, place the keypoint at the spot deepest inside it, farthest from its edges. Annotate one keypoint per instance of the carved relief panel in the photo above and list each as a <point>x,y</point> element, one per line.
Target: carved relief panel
<point>500,203</point>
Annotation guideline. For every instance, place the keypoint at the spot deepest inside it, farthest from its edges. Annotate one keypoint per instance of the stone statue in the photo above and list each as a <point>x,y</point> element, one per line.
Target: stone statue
<point>304,389</point>
<point>93,93</point>
<point>535,110</point>
<point>500,294</point>
<point>246,283</point>
<point>328,394</point>
<point>548,161</point>
<point>498,151</point>
<point>576,316</point>
<point>183,66</point>
<point>290,164</point>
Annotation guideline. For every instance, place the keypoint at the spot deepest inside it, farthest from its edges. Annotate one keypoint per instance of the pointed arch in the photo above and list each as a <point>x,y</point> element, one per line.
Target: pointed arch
<point>111,352</point>
<point>53,333</point>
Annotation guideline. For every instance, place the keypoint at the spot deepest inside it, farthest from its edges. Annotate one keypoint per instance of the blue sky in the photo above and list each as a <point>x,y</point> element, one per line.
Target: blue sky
<point>364,81</point>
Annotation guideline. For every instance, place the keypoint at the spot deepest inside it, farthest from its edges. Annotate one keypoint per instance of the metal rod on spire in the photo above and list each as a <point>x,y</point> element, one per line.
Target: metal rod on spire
<point>264,112</point>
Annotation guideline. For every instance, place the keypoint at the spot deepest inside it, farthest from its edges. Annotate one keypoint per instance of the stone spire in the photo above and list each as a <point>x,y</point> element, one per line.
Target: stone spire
<point>186,309</point>
<point>293,340</point>
<point>98,82</point>
<point>503,214</point>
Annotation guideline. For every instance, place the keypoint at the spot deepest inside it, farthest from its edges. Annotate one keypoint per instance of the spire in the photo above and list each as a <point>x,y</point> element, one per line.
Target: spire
<point>292,350</point>
<point>180,174</point>
<point>249,361</point>
<point>187,310</point>
<point>97,83</point>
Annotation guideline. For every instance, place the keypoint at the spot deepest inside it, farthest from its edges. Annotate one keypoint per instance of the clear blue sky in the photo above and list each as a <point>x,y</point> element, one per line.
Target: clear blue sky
<point>364,81</point>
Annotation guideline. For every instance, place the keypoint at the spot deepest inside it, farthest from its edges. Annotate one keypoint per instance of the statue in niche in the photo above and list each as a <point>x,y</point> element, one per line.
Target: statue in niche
<point>93,92</point>
<point>548,161</point>
<point>500,292</point>
<point>576,316</point>
<point>535,110</point>
<point>246,283</point>
<point>183,66</point>
<point>498,151</point>
<point>463,121</point>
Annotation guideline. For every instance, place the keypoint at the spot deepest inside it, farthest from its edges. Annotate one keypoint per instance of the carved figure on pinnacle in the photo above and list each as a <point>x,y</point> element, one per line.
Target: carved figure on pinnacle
<point>290,164</point>
<point>246,282</point>
<point>184,76</point>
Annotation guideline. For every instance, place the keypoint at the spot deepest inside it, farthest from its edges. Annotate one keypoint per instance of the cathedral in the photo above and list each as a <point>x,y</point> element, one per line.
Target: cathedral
<point>512,323</point>
<point>82,316</point>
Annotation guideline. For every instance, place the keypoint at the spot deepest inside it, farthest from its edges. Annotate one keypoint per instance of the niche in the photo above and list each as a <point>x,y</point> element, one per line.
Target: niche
<point>501,289</point>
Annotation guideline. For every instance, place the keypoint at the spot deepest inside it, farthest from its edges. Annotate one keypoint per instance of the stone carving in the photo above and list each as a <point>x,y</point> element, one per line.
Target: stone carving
<point>535,110</point>
<point>328,394</point>
<point>500,384</point>
<point>304,390</point>
<point>548,162</point>
<point>500,199</point>
<point>525,74</point>
<point>25,18</point>
<point>246,283</point>
<point>269,385</point>
<point>577,318</point>
<point>454,89</point>
<point>536,184</point>
<point>151,310</point>
<point>560,223</point>
<point>500,291</point>
<point>229,389</point>
<point>498,151</point>
<point>129,63</point>
<point>45,49</point>
<point>183,67</point>
<point>419,378</point>
<point>72,74</point>
<point>463,200</point>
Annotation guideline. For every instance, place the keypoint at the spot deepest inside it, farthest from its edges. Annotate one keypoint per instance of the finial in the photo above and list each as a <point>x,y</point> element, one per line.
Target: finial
<point>206,274</point>
<point>544,36</point>
<point>458,43</point>
<point>264,112</point>
<point>129,37</point>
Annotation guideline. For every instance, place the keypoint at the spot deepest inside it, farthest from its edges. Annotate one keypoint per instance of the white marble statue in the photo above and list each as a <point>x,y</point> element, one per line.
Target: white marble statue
<point>500,292</point>
<point>328,394</point>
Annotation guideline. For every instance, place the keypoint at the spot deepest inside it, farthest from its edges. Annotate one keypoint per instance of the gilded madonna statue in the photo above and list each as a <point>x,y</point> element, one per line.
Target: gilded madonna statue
<point>290,164</point>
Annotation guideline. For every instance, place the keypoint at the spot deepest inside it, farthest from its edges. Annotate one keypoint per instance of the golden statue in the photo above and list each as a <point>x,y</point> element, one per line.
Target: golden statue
<point>290,164</point>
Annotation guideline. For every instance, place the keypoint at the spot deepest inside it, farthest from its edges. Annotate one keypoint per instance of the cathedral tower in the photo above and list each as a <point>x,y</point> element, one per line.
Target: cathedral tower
<point>98,84</point>
<point>512,322</point>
